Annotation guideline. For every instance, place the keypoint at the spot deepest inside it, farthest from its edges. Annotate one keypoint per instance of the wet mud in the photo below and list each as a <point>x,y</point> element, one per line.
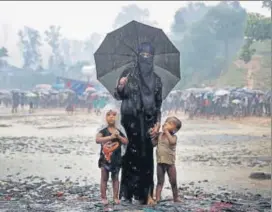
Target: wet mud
<point>49,163</point>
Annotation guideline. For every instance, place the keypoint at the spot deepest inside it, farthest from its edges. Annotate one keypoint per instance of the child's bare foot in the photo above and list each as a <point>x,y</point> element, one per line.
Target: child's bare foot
<point>117,201</point>
<point>177,200</point>
<point>150,201</point>
<point>105,201</point>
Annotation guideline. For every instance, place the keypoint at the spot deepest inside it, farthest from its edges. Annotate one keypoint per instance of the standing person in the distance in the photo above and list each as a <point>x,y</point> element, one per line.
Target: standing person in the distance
<point>166,142</point>
<point>111,139</point>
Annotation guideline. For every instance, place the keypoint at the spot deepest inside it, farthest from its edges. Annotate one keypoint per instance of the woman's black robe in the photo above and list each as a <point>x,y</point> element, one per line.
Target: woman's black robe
<point>137,170</point>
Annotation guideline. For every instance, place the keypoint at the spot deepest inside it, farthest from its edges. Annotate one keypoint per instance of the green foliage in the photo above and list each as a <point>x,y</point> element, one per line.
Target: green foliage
<point>209,40</point>
<point>235,77</point>
<point>3,52</point>
<point>53,37</point>
<point>258,28</point>
<point>247,52</point>
<point>132,12</point>
<point>267,4</point>
<point>227,21</point>
<point>30,42</point>
<point>186,16</point>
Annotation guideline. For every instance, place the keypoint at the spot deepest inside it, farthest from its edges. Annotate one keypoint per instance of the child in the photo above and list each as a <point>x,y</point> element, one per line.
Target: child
<point>111,140</point>
<point>166,151</point>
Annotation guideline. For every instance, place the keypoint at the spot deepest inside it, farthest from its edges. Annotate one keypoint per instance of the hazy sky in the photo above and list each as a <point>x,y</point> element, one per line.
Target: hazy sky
<point>79,19</point>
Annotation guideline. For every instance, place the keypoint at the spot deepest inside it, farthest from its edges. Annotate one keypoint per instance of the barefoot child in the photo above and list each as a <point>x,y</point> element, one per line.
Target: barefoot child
<point>166,154</point>
<point>111,140</point>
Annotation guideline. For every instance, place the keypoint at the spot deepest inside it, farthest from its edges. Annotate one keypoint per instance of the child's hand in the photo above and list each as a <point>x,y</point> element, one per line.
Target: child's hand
<point>117,134</point>
<point>113,136</point>
<point>108,144</point>
<point>165,130</point>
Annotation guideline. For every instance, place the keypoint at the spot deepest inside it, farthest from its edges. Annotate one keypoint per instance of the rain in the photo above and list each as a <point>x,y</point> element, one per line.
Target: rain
<point>127,108</point>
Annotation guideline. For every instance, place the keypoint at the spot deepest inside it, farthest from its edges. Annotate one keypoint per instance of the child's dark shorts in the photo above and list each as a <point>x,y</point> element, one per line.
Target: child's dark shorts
<point>110,168</point>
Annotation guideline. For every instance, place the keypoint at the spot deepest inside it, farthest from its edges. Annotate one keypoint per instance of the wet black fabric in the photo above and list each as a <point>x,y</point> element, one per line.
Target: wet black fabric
<point>146,76</point>
<point>138,170</point>
<point>146,82</point>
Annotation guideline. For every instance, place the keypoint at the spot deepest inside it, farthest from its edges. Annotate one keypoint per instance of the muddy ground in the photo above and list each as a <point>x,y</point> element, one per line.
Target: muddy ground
<point>48,162</point>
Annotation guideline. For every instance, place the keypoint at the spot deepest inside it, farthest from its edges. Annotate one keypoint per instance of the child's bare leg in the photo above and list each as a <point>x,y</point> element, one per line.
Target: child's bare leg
<point>103,184</point>
<point>115,187</point>
<point>160,178</point>
<point>172,174</point>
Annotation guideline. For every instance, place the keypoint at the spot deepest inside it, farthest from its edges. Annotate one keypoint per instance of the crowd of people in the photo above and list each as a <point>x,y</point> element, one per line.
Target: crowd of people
<point>196,102</point>
<point>224,103</point>
<point>17,99</point>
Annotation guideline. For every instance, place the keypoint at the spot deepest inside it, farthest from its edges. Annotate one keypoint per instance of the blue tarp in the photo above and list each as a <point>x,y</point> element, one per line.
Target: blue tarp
<point>76,85</point>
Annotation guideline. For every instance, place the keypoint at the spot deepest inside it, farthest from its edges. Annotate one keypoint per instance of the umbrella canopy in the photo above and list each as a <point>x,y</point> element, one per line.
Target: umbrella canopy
<point>30,95</point>
<point>118,52</point>
<point>54,92</point>
<point>236,101</point>
<point>43,86</point>
<point>4,92</point>
<point>258,91</point>
<point>16,91</point>
<point>90,89</point>
<point>221,92</point>
<point>68,91</point>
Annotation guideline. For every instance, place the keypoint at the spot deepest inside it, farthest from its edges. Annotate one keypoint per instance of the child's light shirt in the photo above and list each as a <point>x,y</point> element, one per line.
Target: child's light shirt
<point>166,152</point>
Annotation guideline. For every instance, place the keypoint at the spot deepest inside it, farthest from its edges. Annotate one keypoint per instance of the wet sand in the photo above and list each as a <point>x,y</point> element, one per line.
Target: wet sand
<point>214,161</point>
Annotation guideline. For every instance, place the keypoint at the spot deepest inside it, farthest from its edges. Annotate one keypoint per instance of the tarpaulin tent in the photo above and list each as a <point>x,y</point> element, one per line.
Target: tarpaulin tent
<point>76,85</point>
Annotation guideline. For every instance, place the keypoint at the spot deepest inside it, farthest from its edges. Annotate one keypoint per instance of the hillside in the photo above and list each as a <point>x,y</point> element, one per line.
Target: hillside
<point>255,74</point>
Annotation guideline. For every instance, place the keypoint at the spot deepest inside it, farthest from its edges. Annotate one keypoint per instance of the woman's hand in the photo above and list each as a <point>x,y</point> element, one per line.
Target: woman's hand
<point>155,130</point>
<point>123,81</point>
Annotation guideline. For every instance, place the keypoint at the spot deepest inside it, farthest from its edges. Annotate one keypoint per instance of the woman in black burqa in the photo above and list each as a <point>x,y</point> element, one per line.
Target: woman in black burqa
<point>140,90</point>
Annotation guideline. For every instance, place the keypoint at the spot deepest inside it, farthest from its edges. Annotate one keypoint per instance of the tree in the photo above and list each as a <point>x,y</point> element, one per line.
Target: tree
<point>228,21</point>
<point>90,46</point>
<point>53,37</point>
<point>3,52</point>
<point>130,13</point>
<point>30,42</point>
<point>186,16</point>
<point>65,49</point>
<point>267,4</point>
<point>77,51</point>
<point>258,28</point>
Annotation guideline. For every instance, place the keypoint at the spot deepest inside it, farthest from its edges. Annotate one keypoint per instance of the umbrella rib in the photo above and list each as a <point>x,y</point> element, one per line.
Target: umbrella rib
<point>137,35</point>
<point>114,68</point>
<point>167,53</point>
<point>125,63</point>
<point>115,54</point>
<point>127,46</point>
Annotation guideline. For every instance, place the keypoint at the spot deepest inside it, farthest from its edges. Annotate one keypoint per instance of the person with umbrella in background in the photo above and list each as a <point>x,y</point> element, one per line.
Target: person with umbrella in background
<point>146,66</point>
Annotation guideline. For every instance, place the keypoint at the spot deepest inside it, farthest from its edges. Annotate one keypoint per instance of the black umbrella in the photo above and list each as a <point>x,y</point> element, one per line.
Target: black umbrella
<point>118,52</point>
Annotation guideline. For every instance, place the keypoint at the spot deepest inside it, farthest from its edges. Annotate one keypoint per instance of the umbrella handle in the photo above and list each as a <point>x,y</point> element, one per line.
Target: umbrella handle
<point>129,73</point>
